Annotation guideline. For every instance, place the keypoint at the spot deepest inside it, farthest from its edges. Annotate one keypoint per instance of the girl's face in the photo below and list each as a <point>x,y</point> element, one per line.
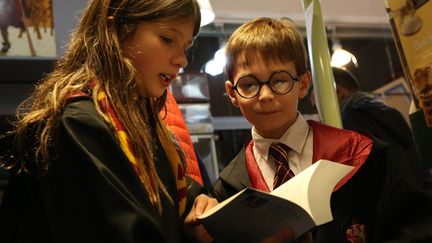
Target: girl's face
<point>158,51</point>
<point>271,114</point>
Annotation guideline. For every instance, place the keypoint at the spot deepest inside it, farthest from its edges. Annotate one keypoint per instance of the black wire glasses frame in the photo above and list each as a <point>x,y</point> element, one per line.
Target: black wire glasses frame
<point>280,82</point>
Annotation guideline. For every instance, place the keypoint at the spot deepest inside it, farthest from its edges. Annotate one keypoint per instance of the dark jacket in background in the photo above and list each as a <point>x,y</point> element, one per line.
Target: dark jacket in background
<point>405,204</point>
<point>363,114</point>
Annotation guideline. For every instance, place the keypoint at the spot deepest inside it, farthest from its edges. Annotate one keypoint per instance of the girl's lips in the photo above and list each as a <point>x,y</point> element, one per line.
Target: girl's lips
<point>164,81</point>
<point>169,78</point>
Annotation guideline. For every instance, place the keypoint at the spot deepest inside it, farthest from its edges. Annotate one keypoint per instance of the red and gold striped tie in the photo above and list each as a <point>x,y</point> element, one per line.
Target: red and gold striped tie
<point>278,153</point>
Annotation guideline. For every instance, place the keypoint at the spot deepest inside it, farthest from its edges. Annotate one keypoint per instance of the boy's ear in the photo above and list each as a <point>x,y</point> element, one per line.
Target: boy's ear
<point>304,82</point>
<point>231,93</point>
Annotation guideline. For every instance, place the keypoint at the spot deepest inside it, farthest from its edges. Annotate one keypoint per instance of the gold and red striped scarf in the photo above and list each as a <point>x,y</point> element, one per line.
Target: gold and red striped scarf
<point>164,138</point>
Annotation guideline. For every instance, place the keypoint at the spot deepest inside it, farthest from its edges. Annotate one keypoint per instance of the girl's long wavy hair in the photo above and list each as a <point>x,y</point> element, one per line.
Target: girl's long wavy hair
<point>95,53</point>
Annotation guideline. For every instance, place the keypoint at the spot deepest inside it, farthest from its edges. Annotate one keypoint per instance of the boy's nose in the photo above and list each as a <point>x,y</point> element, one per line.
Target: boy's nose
<point>266,94</point>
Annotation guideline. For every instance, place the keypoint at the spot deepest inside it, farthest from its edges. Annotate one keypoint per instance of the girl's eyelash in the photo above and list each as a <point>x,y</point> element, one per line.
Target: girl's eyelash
<point>169,40</point>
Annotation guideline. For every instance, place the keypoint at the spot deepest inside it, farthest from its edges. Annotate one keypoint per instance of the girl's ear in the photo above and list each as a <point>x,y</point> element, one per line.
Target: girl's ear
<point>231,93</point>
<point>304,82</point>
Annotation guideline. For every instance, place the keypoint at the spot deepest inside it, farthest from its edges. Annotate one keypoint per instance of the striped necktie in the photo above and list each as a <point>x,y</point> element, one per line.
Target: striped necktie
<point>278,153</point>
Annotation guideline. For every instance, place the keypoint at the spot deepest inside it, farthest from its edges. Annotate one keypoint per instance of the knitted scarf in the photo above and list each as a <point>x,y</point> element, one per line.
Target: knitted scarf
<point>164,138</point>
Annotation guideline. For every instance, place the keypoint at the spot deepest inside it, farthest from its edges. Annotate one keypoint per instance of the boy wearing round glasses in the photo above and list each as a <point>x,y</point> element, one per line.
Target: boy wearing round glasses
<point>267,75</point>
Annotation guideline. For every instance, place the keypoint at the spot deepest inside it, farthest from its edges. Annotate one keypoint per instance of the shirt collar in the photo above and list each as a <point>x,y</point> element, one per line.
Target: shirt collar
<point>295,137</point>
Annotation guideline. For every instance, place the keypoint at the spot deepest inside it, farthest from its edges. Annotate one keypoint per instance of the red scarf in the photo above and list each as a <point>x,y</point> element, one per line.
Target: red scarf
<point>164,138</point>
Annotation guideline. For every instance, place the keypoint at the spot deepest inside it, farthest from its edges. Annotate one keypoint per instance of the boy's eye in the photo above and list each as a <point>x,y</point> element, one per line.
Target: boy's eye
<point>279,81</point>
<point>167,40</point>
<point>247,84</point>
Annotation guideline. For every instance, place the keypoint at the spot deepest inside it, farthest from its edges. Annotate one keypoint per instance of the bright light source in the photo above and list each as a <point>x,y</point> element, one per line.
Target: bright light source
<point>216,65</point>
<point>340,56</point>
<point>207,14</point>
<point>213,68</point>
<point>220,57</point>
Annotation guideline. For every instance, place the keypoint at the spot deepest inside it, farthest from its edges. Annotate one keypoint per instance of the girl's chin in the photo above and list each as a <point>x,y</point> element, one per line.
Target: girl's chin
<point>161,93</point>
<point>153,93</point>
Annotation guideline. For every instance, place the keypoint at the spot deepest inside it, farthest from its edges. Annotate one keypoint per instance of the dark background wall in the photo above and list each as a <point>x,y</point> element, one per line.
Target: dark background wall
<point>18,75</point>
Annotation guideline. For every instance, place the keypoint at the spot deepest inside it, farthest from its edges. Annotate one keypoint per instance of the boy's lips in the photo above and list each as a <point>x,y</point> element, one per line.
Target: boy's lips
<point>265,113</point>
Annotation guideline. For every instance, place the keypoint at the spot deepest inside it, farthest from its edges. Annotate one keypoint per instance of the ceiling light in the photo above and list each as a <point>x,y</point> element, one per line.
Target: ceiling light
<point>207,14</point>
<point>216,65</point>
<point>340,56</point>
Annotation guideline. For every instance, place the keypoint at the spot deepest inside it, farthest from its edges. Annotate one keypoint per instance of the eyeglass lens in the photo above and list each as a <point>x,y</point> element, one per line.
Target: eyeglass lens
<point>280,83</point>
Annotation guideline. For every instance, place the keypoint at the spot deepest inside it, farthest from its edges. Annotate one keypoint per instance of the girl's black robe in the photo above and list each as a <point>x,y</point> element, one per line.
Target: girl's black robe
<point>90,192</point>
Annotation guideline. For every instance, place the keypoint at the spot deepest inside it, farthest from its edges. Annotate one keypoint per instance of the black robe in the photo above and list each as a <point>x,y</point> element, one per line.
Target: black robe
<point>353,203</point>
<point>91,192</point>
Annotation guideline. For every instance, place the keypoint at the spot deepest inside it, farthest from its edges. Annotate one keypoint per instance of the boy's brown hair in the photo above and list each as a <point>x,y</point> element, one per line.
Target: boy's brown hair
<point>266,38</point>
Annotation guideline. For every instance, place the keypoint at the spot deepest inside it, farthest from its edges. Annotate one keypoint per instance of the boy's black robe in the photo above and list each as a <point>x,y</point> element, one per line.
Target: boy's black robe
<point>364,200</point>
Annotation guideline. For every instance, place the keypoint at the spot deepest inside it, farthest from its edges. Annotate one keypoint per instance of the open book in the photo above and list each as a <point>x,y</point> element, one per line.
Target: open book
<point>300,204</point>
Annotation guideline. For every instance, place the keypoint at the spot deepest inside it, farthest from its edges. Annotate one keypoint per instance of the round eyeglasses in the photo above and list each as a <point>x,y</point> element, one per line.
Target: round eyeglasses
<point>280,82</point>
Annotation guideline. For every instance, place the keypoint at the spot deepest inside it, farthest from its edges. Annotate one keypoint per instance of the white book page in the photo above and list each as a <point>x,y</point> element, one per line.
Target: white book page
<point>311,188</point>
<point>220,205</point>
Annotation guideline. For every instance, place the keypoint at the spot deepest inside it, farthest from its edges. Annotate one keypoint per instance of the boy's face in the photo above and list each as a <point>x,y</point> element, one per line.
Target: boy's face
<point>271,114</point>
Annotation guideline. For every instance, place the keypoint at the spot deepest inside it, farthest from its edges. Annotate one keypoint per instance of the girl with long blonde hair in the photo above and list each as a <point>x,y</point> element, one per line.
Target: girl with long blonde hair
<point>91,160</point>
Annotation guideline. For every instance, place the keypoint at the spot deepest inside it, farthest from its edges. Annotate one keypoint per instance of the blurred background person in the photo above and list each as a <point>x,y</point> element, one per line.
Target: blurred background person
<point>406,191</point>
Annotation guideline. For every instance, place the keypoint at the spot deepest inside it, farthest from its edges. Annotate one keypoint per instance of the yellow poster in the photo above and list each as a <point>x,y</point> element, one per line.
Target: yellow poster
<point>411,22</point>
<point>26,28</point>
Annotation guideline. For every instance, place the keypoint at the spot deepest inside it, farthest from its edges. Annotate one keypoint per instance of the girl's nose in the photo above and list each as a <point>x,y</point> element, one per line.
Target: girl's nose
<point>180,60</point>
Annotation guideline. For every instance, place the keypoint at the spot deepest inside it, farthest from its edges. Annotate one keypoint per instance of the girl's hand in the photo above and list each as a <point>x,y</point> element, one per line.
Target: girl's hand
<point>193,227</point>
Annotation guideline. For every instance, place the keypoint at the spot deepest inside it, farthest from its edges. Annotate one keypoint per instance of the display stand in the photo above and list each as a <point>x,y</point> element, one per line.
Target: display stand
<point>192,94</point>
